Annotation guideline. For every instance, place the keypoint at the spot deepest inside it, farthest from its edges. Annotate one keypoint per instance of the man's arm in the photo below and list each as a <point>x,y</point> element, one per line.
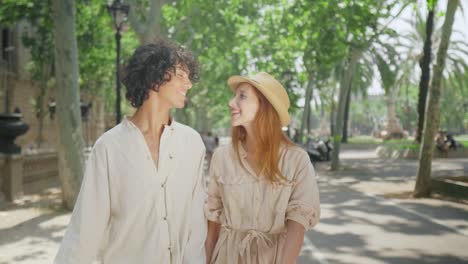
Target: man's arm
<point>91,213</point>
<point>194,250</point>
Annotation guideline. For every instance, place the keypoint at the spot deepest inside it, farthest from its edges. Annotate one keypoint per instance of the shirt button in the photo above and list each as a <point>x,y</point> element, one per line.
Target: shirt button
<point>169,248</point>
<point>163,185</point>
<point>165,218</point>
<point>170,156</point>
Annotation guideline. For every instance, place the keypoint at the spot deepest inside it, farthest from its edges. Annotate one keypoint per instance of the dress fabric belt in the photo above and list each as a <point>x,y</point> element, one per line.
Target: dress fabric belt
<point>262,239</point>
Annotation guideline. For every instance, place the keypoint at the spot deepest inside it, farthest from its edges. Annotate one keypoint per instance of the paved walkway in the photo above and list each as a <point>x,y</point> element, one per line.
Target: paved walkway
<point>363,221</point>
<point>365,218</point>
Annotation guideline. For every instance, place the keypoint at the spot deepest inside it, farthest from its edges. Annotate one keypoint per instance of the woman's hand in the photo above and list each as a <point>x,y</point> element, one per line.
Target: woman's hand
<point>211,239</point>
<point>293,244</point>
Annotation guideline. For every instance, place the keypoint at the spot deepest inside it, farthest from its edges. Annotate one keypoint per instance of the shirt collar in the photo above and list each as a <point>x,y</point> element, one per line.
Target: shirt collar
<point>172,124</point>
<point>243,153</point>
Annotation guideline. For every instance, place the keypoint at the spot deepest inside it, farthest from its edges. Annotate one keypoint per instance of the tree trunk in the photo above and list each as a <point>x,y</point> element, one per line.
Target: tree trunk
<point>42,113</point>
<point>432,117</point>
<point>324,128</point>
<point>100,117</point>
<point>40,109</point>
<point>71,160</point>
<point>393,124</point>
<point>306,113</point>
<point>151,29</point>
<point>200,120</point>
<point>425,65</point>
<point>345,86</point>
<point>332,115</point>
<point>344,138</point>
<point>407,111</point>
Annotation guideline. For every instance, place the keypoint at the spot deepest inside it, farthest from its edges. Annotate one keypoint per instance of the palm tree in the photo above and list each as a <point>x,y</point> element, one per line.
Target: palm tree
<point>416,47</point>
<point>432,117</point>
<point>454,98</point>
<point>362,80</point>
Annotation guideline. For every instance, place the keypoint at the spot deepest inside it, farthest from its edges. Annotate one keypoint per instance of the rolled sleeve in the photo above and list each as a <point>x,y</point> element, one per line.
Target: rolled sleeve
<point>304,203</point>
<point>214,204</point>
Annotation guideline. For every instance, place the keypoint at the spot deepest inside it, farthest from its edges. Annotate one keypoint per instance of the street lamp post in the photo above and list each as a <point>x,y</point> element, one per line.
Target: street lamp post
<point>119,12</point>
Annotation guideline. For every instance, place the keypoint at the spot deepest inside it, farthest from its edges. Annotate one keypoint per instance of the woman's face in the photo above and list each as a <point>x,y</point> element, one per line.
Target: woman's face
<point>244,105</point>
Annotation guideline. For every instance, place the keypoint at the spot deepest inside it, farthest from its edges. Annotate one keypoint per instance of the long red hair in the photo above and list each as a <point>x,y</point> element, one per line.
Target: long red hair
<point>269,138</point>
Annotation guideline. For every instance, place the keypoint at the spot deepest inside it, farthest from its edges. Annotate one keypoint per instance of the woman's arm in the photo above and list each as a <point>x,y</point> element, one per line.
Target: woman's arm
<point>211,239</point>
<point>303,209</point>
<point>293,244</point>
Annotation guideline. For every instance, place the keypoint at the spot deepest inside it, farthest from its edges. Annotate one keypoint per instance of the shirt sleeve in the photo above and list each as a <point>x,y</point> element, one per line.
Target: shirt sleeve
<point>304,203</point>
<point>214,205</point>
<point>195,248</point>
<point>91,213</point>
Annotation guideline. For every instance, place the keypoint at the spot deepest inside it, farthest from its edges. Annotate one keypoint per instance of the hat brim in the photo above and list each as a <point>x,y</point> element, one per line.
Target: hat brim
<point>234,81</point>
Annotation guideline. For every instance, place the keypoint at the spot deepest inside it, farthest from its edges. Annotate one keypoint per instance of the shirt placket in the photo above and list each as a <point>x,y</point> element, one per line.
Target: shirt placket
<point>256,192</point>
<point>165,158</point>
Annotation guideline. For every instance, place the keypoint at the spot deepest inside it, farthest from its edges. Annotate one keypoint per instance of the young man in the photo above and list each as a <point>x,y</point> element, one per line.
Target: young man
<point>142,196</point>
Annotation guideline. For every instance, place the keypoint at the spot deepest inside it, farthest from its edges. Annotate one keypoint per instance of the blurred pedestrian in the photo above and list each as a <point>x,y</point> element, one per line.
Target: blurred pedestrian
<point>210,145</point>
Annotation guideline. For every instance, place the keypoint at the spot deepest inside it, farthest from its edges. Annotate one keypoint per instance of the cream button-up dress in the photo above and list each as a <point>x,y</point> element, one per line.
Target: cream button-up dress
<point>129,212</point>
<point>252,211</point>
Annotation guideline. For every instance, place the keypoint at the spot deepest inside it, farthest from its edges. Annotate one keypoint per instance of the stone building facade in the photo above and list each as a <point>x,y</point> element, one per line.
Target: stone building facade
<point>36,167</point>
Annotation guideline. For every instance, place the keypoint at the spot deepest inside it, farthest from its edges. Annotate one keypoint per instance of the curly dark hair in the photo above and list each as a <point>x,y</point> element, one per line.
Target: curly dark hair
<point>147,69</point>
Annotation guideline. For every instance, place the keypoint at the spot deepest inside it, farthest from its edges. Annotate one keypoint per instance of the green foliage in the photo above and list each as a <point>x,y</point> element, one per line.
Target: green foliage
<point>367,114</point>
<point>95,36</point>
<point>363,140</point>
<point>454,103</point>
<point>40,40</point>
<point>97,51</point>
<point>293,40</point>
<point>431,4</point>
<point>399,145</point>
<point>220,34</point>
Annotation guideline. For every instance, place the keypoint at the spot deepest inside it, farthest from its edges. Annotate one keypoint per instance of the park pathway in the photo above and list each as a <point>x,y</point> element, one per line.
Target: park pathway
<point>365,220</point>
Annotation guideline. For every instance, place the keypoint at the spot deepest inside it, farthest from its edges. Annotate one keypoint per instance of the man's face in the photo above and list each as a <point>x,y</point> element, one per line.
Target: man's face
<point>174,91</point>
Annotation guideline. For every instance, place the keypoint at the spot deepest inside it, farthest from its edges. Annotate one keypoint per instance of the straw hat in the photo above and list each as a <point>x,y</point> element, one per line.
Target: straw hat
<point>270,88</point>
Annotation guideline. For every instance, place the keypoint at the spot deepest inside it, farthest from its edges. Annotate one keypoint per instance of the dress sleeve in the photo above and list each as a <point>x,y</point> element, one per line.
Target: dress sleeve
<point>304,203</point>
<point>91,213</point>
<point>213,203</point>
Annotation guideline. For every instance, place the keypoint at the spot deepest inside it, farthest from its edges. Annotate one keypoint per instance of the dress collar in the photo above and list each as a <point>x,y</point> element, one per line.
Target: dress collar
<point>242,152</point>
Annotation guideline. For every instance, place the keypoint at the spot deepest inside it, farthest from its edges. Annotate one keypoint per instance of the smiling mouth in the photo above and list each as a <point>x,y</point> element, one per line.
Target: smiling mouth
<point>182,93</point>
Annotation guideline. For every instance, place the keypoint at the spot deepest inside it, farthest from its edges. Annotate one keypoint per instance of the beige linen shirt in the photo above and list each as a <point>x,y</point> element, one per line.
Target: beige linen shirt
<point>129,212</point>
<point>252,211</point>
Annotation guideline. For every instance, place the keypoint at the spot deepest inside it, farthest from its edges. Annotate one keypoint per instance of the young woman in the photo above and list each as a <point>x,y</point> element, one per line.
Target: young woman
<point>262,194</point>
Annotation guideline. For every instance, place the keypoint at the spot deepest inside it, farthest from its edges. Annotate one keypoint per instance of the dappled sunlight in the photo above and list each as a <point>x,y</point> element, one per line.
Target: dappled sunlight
<point>368,215</point>
<point>368,230</point>
<point>32,228</point>
<point>33,241</point>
